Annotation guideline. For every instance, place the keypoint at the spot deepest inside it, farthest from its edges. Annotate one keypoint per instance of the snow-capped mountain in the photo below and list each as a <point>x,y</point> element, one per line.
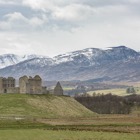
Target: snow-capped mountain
<point>122,53</point>
<point>95,56</point>
<point>85,57</point>
<point>12,59</point>
<point>114,64</point>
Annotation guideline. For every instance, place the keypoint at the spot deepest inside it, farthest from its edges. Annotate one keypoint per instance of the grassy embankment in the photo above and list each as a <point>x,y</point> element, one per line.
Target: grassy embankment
<point>47,106</point>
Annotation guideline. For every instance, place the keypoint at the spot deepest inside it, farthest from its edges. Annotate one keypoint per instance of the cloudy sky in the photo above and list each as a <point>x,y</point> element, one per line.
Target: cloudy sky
<point>51,27</point>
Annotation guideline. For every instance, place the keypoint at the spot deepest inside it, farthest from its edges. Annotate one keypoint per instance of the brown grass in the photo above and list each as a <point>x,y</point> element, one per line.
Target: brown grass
<point>105,123</point>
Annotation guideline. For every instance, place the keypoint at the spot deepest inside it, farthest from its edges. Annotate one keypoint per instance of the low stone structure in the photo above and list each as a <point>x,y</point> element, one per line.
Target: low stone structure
<point>58,89</point>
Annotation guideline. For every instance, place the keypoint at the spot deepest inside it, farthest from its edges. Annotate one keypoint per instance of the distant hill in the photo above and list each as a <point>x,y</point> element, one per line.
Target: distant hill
<point>12,59</point>
<point>114,64</point>
<point>46,106</point>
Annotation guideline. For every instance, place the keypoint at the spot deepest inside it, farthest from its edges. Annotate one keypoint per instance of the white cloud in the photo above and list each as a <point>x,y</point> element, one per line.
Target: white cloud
<point>56,26</point>
<point>12,2</point>
<point>36,22</point>
<point>38,4</point>
<point>17,21</point>
<point>15,16</point>
<point>68,14</point>
<point>73,12</point>
<point>61,10</point>
<point>15,43</point>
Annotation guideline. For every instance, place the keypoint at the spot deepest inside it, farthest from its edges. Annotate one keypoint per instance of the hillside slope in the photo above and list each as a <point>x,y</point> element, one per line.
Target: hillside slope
<point>48,106</point>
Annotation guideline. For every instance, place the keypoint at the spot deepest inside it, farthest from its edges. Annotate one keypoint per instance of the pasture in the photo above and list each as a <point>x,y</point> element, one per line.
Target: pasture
<point>102,127</point>
<point>117,91</point>
<point>42,134</point>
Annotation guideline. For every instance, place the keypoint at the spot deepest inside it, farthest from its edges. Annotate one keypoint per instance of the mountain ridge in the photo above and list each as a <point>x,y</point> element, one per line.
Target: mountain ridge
<point>117,63</point>
<point>12,59</point>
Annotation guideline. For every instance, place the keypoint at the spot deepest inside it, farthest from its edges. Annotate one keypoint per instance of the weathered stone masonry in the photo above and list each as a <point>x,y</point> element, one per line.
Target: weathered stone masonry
<point>31,85</point>
<point>27,85</point>
<point>7,85</point>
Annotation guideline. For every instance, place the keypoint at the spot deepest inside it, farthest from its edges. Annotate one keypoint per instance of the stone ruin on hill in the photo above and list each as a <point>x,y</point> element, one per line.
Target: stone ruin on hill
<point>58,89</point>
<point>27,85</point>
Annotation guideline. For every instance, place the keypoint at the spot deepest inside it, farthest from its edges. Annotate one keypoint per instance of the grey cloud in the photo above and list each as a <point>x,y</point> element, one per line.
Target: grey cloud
<point>16,21</point>
<point>109,2</point>
<point>70,24</point>
<point>66,17</point>
<point>6,9</point>
<point>67,14</point>
<point>12,2</point>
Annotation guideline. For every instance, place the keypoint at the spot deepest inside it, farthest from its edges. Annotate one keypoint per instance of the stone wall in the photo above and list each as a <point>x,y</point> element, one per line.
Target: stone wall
<point>35,85</point>
<point>13,90</point>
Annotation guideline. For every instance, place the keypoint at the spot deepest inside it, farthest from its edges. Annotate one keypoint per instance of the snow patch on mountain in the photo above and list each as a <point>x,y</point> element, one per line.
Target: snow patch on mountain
<point>12,59</point>
<point>38,62</point>
<point>88,54</point>
<point>118,63</point>
<point>122,53</point>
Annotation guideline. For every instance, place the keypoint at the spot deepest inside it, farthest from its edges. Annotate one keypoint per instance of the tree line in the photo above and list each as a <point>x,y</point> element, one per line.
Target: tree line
<point>110,104</point>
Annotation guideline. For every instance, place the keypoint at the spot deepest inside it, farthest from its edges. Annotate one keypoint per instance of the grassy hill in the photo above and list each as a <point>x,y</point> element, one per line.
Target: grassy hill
<point>45,106</point>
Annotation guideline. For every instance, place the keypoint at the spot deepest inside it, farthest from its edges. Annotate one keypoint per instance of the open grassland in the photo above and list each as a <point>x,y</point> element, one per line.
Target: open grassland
<point>68,88</point>
<point>40,134</point>
<point>116,120</point>
<point>102,123</point>
<point>135,84</point>
<point>102,127</point>
<point>119,91</point>
<point>105,123</point>
<point>47,106</point>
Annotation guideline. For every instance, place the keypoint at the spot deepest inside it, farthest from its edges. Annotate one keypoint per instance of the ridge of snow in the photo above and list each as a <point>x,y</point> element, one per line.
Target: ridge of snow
<point>12,59</point>
<point>88,53</point>
<point>89,56</point>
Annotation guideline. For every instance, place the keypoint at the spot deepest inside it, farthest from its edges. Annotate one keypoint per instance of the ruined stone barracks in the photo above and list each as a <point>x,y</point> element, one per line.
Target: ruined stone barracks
<point>27,85</point>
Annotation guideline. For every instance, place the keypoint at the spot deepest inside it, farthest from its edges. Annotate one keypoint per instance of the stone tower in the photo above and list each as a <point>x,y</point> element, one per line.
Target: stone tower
<point>24,85</point>
<point>31,85</point>
<point>35,85</point>
<point>58,89</point>
<point>7,84</point>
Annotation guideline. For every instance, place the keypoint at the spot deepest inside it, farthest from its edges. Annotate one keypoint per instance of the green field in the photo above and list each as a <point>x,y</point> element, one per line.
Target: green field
<point>105,127</point>
<point>40,134</point>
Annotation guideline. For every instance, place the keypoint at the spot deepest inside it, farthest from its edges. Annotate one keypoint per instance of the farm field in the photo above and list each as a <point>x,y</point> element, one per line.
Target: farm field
<point>42,134</point>
<point>119,91</point>
<point>102,127</point>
